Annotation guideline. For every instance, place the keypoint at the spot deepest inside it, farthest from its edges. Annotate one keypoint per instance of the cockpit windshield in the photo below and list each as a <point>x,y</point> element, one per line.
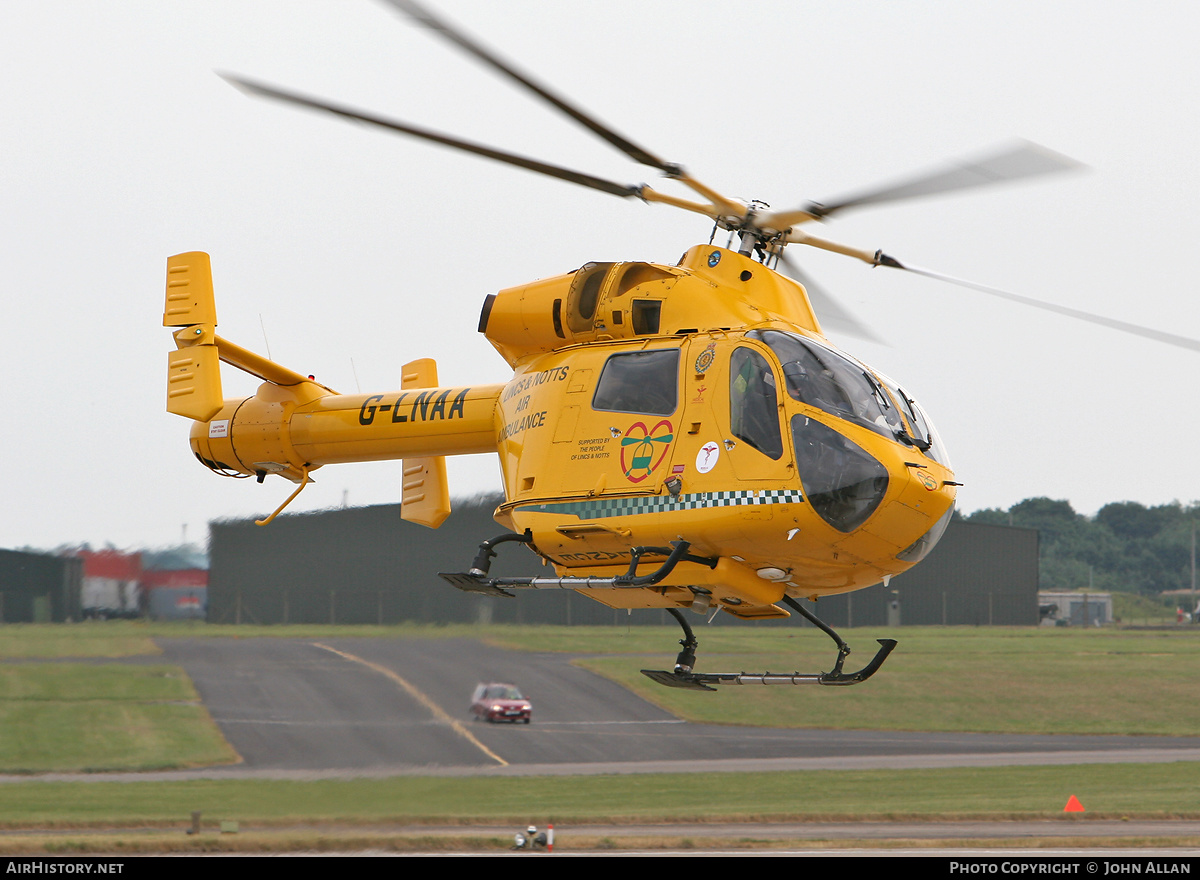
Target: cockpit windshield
<point>922,432</point>
<point>821,377</point>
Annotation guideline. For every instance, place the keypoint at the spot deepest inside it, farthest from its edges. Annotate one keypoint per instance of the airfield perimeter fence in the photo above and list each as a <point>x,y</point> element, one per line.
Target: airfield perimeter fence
<point>364,565</point>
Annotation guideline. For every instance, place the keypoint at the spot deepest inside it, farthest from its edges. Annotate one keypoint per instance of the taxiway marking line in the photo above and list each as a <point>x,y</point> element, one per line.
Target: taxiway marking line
<point>420,697</point>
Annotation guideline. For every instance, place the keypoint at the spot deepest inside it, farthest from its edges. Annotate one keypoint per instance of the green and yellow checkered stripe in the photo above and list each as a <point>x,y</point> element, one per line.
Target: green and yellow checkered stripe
<point>603,508</point>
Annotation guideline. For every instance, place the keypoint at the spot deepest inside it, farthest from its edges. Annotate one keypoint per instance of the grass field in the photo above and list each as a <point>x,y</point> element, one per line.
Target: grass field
<point>958,679</point>
<point>1106,790</point>
<point>86,717</point>
<point>364,813</point>
<point>67,714</point>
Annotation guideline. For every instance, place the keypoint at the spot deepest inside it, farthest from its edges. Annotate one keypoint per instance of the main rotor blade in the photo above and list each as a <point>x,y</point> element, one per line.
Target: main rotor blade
<point>1113,323</point>
<point>829,312</point>
<point>567,174</point>
<point>879,258</point>
<point>626,146</point>
<point>1020,160</point>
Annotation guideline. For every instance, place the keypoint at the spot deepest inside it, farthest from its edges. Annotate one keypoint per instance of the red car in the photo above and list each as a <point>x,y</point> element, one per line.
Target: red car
<point>500,702</point>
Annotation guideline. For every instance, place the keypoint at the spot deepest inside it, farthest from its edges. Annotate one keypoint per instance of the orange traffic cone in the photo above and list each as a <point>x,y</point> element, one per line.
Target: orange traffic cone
<point>1073,805</point>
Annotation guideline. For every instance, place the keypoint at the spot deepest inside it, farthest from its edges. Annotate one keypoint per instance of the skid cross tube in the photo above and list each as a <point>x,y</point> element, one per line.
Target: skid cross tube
<point>476,580</point>
<point>483,559</point>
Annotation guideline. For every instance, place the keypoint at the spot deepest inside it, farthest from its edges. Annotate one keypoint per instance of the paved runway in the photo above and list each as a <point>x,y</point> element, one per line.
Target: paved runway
<point>346,706</point>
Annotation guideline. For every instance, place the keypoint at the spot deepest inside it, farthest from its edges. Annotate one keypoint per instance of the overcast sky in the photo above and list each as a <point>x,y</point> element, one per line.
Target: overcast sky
<point>348,252</point>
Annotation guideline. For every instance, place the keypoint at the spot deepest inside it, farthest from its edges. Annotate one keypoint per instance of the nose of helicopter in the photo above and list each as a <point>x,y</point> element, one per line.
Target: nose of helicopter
<point>889,499</point>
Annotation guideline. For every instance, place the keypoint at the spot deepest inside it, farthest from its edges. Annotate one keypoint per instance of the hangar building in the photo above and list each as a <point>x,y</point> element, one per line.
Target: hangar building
<point>366,565</point>
<point>39,587</point>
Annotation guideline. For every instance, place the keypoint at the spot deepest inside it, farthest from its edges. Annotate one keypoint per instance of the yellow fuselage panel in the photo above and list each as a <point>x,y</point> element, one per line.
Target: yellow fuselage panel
<point>590,483</point>
<point>288,427</point>
<point>710,288</point>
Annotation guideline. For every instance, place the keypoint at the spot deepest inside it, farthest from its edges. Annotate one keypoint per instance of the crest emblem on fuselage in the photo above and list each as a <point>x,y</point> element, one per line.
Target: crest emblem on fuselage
<point>643,449</point>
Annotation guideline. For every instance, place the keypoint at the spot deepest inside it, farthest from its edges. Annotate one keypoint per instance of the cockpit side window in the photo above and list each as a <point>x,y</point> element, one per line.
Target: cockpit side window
<point>754,402</point>
<point>647,316</point>
<point>639,382</point>
<point>820,377</point>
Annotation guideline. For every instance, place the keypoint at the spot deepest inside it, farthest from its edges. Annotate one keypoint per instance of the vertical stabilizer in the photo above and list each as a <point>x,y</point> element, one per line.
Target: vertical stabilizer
<point>194,368</point>
<point>426,496</point>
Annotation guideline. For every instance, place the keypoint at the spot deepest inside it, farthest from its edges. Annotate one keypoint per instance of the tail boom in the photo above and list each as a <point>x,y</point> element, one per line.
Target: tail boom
<point>288,429</point>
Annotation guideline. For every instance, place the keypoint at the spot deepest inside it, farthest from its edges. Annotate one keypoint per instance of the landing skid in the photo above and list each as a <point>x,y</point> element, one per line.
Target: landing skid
<point>478,580</point>
<point>704,681</point>
<point>684,677</point>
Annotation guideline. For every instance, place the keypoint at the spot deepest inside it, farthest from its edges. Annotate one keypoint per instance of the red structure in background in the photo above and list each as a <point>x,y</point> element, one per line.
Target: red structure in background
<point>191,577</point>
<point>175,583</point>
<point>164,584</point>
<point>180,593</point>
<point>111,583</point>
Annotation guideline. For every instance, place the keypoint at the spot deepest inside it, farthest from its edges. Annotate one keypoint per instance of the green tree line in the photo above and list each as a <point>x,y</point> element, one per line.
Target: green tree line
<point>1126,546</point>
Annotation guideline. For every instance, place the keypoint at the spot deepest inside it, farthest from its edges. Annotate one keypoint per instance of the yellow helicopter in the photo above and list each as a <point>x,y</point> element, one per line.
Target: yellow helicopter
<point>673,436</point>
